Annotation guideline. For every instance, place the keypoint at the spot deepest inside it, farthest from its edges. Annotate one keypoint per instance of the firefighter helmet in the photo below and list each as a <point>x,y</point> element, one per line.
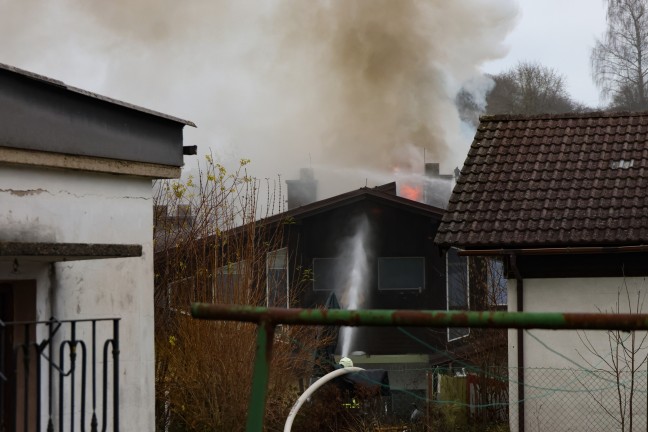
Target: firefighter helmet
<point>346,362</point>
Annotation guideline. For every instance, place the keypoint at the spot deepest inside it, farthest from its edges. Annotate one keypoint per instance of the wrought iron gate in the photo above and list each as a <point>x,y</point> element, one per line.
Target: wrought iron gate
<point>61,373</point>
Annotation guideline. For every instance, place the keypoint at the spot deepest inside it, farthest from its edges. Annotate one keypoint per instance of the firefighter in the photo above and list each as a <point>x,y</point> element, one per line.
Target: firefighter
<point>346,362</point>
<point>353,403</point>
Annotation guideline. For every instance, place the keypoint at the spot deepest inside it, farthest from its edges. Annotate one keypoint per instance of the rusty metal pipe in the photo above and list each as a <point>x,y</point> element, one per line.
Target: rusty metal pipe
<point>422,318</point>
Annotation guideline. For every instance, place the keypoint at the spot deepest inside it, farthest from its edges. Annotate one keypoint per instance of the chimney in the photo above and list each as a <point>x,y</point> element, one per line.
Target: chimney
<point>438,187</point>
<point>432,170</point>
<point>302,191</point>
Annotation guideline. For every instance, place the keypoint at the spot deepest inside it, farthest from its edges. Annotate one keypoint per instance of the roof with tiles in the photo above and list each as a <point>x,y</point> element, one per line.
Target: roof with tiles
<point>552,181</point>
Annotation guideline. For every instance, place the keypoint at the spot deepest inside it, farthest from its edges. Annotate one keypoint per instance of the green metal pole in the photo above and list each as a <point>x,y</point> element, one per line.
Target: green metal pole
<point>422,318</point>
<point>260,377</point>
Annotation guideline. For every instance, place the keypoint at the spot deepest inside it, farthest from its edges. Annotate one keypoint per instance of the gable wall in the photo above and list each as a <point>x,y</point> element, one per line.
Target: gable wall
<point>42,205</point>
<point>568,351</point>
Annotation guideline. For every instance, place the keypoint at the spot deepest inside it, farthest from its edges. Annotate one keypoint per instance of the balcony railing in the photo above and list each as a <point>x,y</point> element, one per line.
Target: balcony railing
<point>59,375</point>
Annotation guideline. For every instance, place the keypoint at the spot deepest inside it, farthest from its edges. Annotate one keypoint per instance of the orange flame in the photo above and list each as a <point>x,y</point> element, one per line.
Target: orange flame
<point>411,192</point>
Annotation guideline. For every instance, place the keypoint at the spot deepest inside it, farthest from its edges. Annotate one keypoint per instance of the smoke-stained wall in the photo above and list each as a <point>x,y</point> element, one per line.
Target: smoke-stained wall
<point>353,88</point>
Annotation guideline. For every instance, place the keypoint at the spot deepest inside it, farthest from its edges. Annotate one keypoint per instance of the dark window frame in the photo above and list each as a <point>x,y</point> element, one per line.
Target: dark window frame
<point>271,266</point>
<point>456,333</point>
<point>315,275</point>
<point>381,276</point>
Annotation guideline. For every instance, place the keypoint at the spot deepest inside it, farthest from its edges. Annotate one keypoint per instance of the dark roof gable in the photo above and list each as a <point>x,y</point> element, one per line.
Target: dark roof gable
<point>552,180</point>
<point>385,194</point>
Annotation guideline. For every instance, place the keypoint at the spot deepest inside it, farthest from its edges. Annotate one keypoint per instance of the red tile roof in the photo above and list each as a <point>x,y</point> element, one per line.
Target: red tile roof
<point>552,180</point>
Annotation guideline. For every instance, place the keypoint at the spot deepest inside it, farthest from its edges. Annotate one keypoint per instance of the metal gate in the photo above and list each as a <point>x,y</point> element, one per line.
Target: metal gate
<point>71,366</point>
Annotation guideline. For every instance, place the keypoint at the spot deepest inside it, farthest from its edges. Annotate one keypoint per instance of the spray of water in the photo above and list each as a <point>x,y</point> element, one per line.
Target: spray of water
<point>355,259</point>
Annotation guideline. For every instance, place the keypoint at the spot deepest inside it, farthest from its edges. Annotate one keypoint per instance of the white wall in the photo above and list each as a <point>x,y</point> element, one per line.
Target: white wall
<point>43,205</point>
<point>564,380</point>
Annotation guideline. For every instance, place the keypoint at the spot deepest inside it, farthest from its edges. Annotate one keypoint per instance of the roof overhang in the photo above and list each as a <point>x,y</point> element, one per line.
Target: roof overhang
<point>48,121</point>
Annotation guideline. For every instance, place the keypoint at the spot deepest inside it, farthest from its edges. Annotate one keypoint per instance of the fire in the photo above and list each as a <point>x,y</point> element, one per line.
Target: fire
<point>412,192</point>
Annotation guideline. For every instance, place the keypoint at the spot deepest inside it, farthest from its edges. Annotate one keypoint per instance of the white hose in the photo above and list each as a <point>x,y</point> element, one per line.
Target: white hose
<point>310,390</point>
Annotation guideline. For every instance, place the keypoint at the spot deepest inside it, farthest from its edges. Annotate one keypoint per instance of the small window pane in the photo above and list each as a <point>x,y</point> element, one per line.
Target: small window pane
<point>403,273</point>
<point>277,278</point>
<point>497,287</point>
<point>457,273</point>
<point>457,290</point>
<point>325,271</point>
<point>457,333</point>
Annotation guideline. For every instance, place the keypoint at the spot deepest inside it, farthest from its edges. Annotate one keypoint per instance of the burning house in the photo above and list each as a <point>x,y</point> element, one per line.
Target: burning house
<point>365,249</point>
<point>372,249</point>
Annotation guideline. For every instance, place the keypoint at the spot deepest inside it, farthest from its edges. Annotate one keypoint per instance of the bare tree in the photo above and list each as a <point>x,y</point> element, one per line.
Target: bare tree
<point>620,59</point>
<point>530,88</point>
<point>622,360</point>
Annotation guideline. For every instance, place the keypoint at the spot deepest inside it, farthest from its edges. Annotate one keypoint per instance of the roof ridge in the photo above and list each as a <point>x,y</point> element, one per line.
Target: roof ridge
<point>570,115</point>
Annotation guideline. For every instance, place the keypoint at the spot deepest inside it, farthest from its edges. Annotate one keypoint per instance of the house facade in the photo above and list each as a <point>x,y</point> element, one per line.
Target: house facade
<point>76,254</point>
<point>372,249</point>
<point>562,200</point>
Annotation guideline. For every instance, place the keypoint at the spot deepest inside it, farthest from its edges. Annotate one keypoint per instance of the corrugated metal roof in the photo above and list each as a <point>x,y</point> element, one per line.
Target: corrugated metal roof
<point>553,180</point>
<point>61,84</point>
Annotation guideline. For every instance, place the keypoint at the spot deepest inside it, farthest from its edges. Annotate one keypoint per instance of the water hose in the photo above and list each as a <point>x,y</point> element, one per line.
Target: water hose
<point>310,390</point>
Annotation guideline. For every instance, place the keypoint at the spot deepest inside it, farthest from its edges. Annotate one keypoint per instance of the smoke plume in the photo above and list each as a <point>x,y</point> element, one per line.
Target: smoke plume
<point>351,87</point>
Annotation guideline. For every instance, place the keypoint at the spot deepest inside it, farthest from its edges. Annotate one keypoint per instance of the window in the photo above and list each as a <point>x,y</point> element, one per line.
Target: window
<point>230,283</point>
<point>457,288</point>
<point>497,288</point>
<point>325,273</point>
<point>277,278</point>
<point>406,273</point>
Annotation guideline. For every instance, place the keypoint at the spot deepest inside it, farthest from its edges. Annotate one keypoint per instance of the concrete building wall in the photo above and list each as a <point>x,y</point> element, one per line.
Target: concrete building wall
<point>48,205</point>
<point>566,385</point>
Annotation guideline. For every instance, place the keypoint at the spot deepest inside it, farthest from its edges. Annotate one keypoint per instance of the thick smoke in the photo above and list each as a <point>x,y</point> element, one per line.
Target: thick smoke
<point>350,87</point>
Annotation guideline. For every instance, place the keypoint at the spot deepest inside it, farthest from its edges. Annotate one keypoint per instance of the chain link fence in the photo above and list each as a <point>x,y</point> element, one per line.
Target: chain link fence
<point>582,400</point>
<point>556,400</point>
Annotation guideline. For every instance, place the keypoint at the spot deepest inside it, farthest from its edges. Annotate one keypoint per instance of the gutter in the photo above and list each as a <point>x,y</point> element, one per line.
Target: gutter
<point>586,250</point>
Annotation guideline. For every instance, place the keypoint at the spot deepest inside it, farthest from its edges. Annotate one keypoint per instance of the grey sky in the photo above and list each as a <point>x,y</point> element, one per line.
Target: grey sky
<point>359,88</point>
<point>559,34</point>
